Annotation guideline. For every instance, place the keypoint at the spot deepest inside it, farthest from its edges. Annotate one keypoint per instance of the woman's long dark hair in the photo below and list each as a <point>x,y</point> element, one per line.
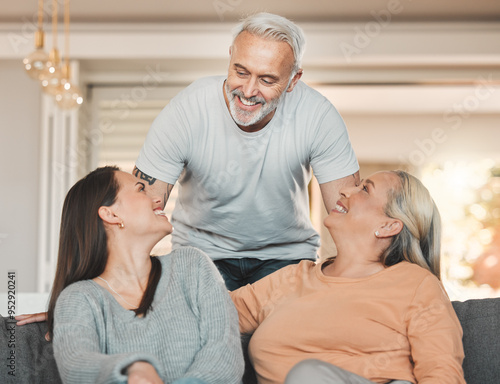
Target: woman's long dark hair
<point>83,249</point>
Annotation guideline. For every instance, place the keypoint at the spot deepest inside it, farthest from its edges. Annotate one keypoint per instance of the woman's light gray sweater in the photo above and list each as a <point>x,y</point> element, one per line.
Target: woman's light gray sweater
<point>192,330</point>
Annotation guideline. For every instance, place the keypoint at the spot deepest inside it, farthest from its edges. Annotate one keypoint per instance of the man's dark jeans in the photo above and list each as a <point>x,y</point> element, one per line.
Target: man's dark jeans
<point>240,272</point>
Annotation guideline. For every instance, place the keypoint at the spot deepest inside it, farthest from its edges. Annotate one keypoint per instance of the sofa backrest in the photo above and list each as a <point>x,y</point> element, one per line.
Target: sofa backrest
<point>480,319</point>
<point>29,355</point>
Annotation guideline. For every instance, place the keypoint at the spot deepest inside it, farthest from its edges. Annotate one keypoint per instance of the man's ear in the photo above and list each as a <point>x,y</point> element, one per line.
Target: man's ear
<point>108,216</point>
<point>295,80</point>
<point>390,228</point>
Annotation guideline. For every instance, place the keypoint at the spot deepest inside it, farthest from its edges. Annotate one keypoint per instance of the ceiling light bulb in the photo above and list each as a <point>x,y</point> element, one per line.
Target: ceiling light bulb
<point>51,75</point>
<point>35,62</point>
<point>68,95</point>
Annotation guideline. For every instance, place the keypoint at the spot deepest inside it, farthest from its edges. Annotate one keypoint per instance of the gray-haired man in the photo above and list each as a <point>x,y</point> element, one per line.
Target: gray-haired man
<point>242,148</point>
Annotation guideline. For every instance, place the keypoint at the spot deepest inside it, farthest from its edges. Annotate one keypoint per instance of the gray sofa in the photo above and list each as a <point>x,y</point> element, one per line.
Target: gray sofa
<point>33,358</point>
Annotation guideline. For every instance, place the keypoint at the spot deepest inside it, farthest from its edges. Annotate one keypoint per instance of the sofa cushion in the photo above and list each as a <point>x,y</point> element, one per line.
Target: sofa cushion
<point>480,319</point>
<point>25,353</point>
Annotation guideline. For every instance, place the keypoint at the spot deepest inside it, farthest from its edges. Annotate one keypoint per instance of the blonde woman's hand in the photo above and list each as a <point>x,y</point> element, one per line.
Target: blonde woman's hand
<point>141,372</point>
<point>33,318</point>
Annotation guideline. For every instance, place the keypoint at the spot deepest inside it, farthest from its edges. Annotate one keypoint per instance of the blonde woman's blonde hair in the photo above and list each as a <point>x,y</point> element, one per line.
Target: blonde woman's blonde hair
<point>419,241</point>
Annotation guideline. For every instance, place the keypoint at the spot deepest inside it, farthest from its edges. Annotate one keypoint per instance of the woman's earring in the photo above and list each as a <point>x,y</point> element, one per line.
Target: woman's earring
<point>122,225</point>
<point>377,234</point>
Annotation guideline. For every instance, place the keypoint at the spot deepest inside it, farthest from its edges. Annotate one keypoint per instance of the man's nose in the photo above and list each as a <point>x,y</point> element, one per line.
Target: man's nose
<point>250,88</point>
<point>348,191</point>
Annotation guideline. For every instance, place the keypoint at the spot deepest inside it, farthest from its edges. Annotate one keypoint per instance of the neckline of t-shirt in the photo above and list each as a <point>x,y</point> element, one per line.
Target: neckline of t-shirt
<point>233,124</point>
<point>335,279</point>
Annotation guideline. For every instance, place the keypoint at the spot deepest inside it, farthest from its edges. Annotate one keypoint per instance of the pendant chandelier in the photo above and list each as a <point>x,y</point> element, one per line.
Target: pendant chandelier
<point>35,62</point>
<point>54,77</point>
<point>68,95</point>
<point>51,74</point>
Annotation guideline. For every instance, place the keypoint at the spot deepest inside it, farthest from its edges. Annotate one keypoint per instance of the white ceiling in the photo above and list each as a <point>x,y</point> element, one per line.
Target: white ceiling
<point>232,10</point>
<point>465,19</point>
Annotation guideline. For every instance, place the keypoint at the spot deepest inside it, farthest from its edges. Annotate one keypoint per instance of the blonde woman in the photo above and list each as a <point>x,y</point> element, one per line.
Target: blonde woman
<point>375,313</point>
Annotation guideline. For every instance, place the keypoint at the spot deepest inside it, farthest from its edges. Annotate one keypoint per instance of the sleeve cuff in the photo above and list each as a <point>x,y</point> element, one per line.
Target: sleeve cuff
<point>119,372</point>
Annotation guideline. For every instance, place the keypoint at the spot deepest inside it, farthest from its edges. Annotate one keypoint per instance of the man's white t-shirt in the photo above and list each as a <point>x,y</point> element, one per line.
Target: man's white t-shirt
<point>245,194</point>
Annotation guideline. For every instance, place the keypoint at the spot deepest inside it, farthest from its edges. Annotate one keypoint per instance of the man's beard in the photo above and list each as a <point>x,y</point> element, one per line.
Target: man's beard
<point>247,118</point>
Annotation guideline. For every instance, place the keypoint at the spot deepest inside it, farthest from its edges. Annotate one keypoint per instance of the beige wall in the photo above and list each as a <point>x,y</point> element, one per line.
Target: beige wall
<point>19,158</point>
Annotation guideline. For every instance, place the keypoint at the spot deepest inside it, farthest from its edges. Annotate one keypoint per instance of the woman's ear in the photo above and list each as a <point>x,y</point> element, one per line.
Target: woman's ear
<point>390,228</point>
<point>107,215</point>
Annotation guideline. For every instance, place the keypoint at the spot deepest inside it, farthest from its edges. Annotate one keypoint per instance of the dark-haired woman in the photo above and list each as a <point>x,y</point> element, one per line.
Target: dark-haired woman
<point>376,313</point>
<point>118,315</point>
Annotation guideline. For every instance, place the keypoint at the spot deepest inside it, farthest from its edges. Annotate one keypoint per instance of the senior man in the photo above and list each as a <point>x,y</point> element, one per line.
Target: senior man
<point>242,147</point>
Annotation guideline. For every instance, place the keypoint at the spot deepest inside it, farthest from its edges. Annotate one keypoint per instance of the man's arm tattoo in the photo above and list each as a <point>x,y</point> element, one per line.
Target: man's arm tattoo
<point>151,180</point>
<point>141,175</point>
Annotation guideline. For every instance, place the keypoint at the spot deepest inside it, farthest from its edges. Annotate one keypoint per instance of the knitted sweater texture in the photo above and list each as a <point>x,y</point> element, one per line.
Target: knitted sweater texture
<point>191,332</point>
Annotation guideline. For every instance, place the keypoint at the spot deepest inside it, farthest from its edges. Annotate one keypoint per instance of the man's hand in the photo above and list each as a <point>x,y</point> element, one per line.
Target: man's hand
<point>154,187</point>
<point>141,372</point>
